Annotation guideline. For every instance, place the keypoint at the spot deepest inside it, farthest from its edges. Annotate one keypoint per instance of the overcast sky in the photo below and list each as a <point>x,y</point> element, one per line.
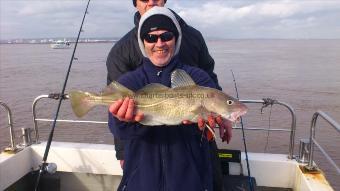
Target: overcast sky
<point>214,18</point>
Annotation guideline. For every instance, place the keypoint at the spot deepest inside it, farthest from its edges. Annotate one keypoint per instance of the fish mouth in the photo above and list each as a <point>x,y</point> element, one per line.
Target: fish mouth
<point>235,116</point>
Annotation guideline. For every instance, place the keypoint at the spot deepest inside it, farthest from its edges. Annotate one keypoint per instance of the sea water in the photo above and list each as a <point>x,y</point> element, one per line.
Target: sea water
<point>302,73</point>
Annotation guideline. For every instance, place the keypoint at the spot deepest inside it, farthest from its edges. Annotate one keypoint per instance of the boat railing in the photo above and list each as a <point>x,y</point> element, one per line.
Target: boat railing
<point>313,141</point>
<point>265,102</point>
<point>54,96</point>
<point>10,125</point>
<point>268,101</point>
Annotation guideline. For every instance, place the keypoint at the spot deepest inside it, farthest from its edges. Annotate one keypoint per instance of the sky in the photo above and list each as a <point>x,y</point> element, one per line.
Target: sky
<point>227,19</point>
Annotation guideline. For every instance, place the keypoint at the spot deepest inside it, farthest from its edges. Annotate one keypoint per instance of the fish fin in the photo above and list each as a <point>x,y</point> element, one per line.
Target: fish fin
<point>200,111</point>
<point>149,121</point>
<point>116,88</point>
<point>180,78</point>
<point>152,88</point>
<point>80,102</point>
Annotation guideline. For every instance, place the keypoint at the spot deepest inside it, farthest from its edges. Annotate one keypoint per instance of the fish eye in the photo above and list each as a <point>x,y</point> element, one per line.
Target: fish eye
<point>230,102</point>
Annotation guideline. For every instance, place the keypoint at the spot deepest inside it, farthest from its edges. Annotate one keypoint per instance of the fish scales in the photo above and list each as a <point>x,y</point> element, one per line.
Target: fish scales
<point>162,105</point>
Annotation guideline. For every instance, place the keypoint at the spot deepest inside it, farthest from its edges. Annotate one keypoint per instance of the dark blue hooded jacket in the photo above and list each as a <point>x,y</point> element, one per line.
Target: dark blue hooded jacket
<point>169,158</point>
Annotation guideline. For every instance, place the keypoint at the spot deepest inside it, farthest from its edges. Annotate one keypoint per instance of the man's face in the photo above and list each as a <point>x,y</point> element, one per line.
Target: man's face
<point>144,5</point>
<point>161,51</point>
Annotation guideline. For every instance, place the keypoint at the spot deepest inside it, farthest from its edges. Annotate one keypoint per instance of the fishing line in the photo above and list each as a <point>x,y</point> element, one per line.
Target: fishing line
<point>211,131</point>
<point>61,98</point>
<point>243,137</point>
<point>266,103</point>
<point>269,127</point>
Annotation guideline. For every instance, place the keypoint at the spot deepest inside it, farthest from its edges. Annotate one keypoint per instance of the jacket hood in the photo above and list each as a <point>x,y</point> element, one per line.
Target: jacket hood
<point>159,11</point>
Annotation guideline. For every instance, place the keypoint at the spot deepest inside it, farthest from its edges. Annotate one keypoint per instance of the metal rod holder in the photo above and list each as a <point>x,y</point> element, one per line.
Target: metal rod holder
<point>304,151</point>
<point>26,137</point>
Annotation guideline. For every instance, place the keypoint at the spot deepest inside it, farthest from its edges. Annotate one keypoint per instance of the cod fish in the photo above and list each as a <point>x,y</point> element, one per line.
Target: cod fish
<point>162,105</point>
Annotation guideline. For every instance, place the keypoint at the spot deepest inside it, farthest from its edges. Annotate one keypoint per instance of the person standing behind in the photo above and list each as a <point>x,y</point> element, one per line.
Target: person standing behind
<point>126,56</point>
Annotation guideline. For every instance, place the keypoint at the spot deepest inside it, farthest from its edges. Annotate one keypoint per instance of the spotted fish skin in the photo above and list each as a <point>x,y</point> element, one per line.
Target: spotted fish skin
<point>162,105</point>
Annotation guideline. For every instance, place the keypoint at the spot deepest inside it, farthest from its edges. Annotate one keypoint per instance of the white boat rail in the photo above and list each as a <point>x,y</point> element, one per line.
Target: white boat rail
<point>10,125</point>
<point>312,140</point>
<point>266,102</point>
<point>54,96</point>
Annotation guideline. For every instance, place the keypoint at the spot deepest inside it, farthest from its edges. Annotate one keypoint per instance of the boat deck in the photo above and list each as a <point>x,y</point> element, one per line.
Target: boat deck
<point>93,166</point>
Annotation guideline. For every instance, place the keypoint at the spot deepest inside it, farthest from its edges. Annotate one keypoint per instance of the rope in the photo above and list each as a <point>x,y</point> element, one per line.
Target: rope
<point>267,102</point>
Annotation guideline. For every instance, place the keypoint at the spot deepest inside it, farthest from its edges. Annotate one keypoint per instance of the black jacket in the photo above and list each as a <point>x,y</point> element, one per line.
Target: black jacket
<point>163,157</point>
<point>126,56</point>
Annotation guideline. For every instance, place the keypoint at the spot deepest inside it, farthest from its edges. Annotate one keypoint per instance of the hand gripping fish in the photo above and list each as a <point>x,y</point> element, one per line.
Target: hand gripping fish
<point>162,105</point>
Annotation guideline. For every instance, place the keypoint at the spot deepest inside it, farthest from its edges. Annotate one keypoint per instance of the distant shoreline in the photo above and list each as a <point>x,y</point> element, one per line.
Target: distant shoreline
<point>51,41</point>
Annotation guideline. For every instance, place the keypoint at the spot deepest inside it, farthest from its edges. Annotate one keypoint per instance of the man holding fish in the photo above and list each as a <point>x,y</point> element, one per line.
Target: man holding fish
<point>125,56</point>
<point>160,152</point>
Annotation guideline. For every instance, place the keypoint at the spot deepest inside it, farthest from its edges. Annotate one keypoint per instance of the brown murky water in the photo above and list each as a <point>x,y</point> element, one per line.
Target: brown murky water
<point>302,73</point>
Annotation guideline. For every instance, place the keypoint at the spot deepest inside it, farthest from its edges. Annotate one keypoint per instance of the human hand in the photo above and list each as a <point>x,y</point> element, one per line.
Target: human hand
<point>124,110</point>
<point>202,124</point>
<point>225,126</point>
<point>121,162</point>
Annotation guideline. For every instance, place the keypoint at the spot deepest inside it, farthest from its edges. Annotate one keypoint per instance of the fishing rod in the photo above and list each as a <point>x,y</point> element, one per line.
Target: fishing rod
<point>61,98</point>
<point>244,138</point>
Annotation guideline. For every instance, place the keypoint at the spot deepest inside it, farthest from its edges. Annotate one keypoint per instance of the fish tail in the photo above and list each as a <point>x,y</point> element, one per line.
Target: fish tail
<point>81,102</point>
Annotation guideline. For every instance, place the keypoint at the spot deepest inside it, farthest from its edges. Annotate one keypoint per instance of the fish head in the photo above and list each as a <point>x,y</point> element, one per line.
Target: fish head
<point>222,104</point>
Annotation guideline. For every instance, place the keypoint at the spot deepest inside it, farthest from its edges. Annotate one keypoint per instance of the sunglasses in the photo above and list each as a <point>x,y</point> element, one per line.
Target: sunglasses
<point>153,38</point>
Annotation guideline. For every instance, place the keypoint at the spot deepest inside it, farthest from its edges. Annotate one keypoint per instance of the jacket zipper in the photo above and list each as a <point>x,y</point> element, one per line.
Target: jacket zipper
<point>163,154</point>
